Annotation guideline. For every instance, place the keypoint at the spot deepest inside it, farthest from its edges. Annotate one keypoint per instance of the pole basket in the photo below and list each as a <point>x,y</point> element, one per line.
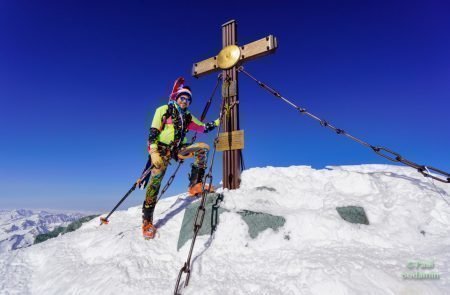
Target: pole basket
<point>103,220</point>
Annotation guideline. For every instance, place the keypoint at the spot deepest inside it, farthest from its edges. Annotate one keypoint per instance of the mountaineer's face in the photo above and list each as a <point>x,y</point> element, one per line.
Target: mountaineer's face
<point>183,101</point>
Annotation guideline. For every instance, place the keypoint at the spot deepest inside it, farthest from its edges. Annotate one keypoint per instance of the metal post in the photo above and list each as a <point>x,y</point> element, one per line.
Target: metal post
<point>230,122</point>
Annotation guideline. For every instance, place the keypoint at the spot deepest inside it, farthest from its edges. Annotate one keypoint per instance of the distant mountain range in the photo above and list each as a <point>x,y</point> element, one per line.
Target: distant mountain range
<point>18,228</point>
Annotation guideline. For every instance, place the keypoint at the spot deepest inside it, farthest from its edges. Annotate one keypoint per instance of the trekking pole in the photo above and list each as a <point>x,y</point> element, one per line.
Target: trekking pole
<point>104,220</point>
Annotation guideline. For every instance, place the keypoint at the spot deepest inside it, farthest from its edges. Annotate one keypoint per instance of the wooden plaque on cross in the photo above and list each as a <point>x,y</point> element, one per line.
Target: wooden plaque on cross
<point>229,58</point>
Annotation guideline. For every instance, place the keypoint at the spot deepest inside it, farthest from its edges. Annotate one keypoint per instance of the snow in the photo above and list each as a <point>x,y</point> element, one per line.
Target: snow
<point>315,252</point>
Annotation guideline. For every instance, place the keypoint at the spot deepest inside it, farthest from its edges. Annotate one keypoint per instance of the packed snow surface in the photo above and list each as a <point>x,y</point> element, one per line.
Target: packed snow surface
<point>315,252</point>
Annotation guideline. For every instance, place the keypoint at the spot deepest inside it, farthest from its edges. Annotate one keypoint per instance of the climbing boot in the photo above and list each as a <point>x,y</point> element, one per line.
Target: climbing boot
<point>148,229</point>
<point>196,181</point>
<point>196,190</point>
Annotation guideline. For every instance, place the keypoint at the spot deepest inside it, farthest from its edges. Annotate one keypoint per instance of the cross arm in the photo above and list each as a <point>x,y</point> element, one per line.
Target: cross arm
<point>258,48</point>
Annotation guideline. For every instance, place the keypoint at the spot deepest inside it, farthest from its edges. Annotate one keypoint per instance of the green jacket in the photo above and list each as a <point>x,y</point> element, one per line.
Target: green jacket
<point>174,123</point>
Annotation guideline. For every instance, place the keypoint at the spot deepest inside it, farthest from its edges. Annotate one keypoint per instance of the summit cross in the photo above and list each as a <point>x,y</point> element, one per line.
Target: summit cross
<point>231,142</point>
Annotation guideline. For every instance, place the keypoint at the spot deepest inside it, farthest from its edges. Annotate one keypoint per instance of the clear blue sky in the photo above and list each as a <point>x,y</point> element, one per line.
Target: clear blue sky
<point>79,81</point>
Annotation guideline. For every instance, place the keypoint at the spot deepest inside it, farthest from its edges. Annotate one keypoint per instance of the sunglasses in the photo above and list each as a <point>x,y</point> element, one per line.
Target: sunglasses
<point>186,99</point>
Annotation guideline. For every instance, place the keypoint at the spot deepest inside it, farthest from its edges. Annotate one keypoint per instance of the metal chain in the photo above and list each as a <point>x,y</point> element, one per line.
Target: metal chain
<point>437,190</point>
<point>208,104</point>
<point>425,170</point>
<point>169,182</point>
<point>200,211</point>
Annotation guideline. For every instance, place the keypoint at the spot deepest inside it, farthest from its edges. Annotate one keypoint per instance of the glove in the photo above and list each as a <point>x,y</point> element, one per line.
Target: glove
<point>211,125</point>
<point>157,161</point>
<point>153,135</point>
<point>153,148</point>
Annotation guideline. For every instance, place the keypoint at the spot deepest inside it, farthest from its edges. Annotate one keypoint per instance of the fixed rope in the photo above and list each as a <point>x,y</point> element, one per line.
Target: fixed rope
<point>425,170</point>
<point>437,190</point>
<point>199,217</point>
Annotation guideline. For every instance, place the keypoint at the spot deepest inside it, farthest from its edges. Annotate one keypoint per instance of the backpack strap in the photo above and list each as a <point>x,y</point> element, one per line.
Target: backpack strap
<point>166,115</point>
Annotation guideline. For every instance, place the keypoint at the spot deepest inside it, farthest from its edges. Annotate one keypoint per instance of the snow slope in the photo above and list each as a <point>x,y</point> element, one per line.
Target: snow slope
<point>19,228</point>
<point>315,252</point>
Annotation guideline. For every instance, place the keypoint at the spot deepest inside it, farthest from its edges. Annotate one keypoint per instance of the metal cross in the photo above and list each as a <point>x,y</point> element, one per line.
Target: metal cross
<point>229,58</point>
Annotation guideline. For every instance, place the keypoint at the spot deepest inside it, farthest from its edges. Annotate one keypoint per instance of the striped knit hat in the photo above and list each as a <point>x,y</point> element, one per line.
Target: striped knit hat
<point>186,90</point>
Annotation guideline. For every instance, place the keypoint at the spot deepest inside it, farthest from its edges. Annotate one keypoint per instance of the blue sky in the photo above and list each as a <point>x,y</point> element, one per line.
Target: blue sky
<point>79,81</point>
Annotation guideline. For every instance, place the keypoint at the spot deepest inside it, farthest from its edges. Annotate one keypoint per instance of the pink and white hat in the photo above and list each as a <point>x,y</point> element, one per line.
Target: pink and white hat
<point>184,90</point>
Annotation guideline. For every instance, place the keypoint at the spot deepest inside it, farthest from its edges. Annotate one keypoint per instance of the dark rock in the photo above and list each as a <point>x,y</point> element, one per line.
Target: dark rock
<point>353,214</point>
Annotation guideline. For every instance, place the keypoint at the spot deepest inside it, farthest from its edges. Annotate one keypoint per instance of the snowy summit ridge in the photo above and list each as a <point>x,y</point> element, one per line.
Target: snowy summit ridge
<point>315,252</point>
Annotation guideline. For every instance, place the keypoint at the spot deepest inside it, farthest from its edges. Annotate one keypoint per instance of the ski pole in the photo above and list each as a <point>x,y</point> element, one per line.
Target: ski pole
<point>104,220</point>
